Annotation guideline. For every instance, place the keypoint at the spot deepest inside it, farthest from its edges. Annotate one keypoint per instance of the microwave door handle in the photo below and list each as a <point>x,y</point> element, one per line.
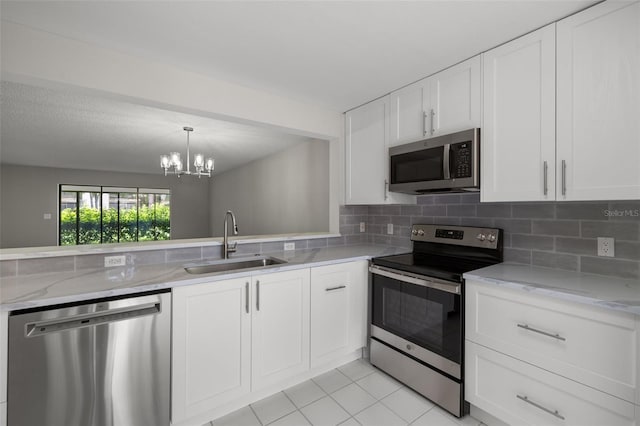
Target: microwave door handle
<point>445,161</point>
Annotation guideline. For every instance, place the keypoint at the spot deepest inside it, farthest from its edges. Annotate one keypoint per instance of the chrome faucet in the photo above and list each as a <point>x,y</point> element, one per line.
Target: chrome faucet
<point>229,248</point>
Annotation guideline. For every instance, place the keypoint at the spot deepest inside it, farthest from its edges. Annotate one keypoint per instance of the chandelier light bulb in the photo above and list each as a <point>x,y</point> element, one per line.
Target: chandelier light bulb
<point>178,166</point>
<point>175,158</point>
<point>198,161</point>
<point>209,164</point>
<point>164,161</point>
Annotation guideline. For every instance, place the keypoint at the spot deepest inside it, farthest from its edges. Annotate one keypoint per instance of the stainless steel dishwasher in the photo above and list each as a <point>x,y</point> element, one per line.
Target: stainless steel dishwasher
<point>104,362</point>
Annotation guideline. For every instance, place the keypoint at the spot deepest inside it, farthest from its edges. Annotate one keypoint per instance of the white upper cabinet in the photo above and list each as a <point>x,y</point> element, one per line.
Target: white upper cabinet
<point>446,102</point>
<point>367,156</point>
<point>518,127</point>
<point>598,103</point>
<point>407,116</point>
<point>455,102</point>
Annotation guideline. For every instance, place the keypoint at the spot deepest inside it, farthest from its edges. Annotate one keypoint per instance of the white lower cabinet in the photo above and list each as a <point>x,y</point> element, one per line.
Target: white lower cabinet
<point>520,394</point>
<point>592,346</point>
<point>211,339</point>
<point>338,310</point>
<point>233,339</point>
<point>532,359</point>
<point>280,327</point>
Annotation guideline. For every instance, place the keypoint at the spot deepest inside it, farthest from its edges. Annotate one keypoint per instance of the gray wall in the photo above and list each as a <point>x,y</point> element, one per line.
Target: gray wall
<point>553,235</point>
<point>26,193</point>
<point>287,192</point>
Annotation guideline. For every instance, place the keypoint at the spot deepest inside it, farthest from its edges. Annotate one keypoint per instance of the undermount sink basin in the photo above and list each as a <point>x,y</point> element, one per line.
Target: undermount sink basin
<point>232,264</point>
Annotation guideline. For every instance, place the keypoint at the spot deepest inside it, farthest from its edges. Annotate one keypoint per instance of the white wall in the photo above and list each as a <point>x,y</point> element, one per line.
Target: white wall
<point>26,193</point>
<point>287,192</point>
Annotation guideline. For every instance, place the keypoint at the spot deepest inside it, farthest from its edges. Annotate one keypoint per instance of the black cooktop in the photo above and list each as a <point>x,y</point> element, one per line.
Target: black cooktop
<point>442,267</point>
<point>446,252</point>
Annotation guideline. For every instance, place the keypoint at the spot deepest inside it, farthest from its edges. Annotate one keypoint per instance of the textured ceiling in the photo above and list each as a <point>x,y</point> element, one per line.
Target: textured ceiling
<point>45,127</point>
<point>335,53</point>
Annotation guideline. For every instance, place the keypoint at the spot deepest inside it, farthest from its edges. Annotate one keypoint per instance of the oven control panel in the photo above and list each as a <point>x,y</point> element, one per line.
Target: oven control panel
<point>459,235</point>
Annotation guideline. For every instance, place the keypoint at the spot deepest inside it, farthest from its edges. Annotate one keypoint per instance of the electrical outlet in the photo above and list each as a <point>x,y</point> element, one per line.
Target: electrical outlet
<point>606,247</point>
<point>110,261</point>
<point>46,216</point>
<point>362,229</point>
<point>289,246</point>
<point>390,228</point>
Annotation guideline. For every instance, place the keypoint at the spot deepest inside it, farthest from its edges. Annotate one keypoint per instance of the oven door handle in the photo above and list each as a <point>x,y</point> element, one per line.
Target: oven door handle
<point>420,280</point>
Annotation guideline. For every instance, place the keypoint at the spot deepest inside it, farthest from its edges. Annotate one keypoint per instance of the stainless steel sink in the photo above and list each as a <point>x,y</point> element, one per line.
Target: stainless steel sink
<point>224,265</point>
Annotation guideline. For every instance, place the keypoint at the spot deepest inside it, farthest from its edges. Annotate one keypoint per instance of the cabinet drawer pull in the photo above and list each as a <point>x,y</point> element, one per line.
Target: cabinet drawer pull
<point>246,294</point>
<point>424,123</point>
<point>386,186</point>
<point>546,169</point>
<point>258,295</point>
<point>555,336</point>
<point>546,410</point>
<point>433,121</point>
<point>564,177</point>
<point>335,288</point>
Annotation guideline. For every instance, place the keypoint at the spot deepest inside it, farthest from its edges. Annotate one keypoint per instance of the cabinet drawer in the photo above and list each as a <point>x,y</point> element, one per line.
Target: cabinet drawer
<point>521,394</point>
<point>590,345</point>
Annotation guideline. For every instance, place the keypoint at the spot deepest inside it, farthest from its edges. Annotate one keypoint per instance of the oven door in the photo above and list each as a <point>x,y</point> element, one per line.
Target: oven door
<point>419,316</point>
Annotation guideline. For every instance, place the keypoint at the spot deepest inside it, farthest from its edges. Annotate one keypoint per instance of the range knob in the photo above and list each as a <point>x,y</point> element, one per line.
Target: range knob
<point>492,237</point>
<point>414,232</point>
<point>420,233</point>
<point>481,237</point>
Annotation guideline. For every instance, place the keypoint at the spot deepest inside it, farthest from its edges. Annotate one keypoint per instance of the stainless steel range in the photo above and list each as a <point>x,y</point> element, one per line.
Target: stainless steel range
<point>417,309</point>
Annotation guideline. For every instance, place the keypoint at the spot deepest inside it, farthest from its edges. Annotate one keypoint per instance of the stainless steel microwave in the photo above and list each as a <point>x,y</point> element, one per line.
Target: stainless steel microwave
<point>448,163</point>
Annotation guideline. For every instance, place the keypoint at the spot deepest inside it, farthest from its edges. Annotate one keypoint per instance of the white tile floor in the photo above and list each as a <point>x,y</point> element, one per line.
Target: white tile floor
<point>351,395</point>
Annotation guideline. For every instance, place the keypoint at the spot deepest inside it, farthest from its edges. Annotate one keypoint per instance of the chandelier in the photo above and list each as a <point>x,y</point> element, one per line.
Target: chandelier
<point>172,163</point>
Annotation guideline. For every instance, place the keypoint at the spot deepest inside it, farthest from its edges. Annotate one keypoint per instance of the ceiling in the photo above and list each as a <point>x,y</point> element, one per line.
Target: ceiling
<point>55,128</point>
<point>337,54</point>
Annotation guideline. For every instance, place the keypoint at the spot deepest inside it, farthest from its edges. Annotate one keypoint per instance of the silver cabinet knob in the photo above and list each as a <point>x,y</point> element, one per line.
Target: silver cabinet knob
<point>481,237</point>
<point>420,232</point>
<point>409,347</point>
<point>414,232</point>
<point>492,237</point>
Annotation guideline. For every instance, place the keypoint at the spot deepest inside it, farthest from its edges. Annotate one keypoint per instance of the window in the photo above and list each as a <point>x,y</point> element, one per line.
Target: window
<point>102,214</point>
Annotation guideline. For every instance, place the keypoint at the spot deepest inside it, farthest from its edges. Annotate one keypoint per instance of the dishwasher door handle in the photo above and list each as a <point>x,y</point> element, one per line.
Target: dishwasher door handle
<point>41,328</point>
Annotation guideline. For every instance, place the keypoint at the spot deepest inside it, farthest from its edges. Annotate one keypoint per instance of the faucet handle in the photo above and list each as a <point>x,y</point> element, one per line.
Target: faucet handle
<point>231,247</point>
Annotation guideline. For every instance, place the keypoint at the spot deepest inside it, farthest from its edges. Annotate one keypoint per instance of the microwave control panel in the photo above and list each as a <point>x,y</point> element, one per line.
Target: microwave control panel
<point>460,160</point>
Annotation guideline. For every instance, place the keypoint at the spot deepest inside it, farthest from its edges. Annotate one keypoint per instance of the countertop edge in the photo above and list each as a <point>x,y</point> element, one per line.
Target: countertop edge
<point>172,283</point>
<point>567,294</point>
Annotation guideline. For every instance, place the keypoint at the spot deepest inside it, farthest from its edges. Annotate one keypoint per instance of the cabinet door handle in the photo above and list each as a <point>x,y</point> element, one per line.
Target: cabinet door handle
<point>424,123</point>
<point>546,169</point>
<point>564,177</point>
<point>246,294</point>
<point>433,121</point>
<point>386,191</point>
<point>544,333</point>
<point>545,409</point>
<point>258,295</point>
<point>335,288</point>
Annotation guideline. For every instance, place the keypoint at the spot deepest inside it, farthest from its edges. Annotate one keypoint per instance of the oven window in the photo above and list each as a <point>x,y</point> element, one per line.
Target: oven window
<point>425,316</point>
<point>418,166</point>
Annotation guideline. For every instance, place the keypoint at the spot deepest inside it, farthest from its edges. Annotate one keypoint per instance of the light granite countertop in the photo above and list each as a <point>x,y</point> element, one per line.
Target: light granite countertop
<point>38,290</point>
<point>604,292</point>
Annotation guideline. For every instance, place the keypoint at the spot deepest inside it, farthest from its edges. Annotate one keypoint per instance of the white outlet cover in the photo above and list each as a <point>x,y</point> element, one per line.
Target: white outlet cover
<point>289,246</point>
<point>110,261</point>
<point>362,227</point>
<point>390,228</point>
<point>606,247</point>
